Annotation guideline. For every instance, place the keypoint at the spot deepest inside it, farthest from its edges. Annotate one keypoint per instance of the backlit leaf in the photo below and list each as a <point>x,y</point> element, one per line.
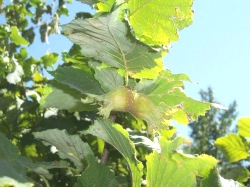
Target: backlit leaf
<point>105,39</point>
<point>244,127</point>
<point>157,22</point>
<point>115,135</point>
<point>50,59</point>
<point>173,168</point>
<point>166,91</point>
<point>233,146</point>
<point>16,37</point>
<point>68,146</point>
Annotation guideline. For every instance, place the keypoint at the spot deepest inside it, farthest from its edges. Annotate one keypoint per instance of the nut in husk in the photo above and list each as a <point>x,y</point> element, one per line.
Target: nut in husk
<point>140,105</point>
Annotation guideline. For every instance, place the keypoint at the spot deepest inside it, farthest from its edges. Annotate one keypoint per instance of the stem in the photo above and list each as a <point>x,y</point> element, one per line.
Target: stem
<point>105,153</point>
<point>45,181</point>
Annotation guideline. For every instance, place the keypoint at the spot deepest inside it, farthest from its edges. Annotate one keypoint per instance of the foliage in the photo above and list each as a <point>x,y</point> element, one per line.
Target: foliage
<point>235,147</point>
<point>111,92</point>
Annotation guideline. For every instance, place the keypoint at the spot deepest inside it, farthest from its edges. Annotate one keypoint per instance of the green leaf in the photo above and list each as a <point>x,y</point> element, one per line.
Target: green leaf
<point>61,96</point>
<point>157,22</point>
<point>108,77</point>
<point>96,174</point>
<point>9,153</point>
<point>115,135</point>
<point>10,177</point>
<point>78,79</point>
<point>233,146</point>
<point>240,174</point>
<point>173,168</point>
<point>68,146</point>
<point>244,127</point>
<point>215,180</point>
<point>105,6</point>
<point>105,39</point>
<point>166,91</point>
<point>89,2</point>
<point>16,37</point>
<point>49,59</point>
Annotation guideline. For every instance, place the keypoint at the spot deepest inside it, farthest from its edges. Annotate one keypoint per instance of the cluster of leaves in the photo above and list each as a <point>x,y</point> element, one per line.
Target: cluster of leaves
<point>111,87</point>
<point>236,147</point>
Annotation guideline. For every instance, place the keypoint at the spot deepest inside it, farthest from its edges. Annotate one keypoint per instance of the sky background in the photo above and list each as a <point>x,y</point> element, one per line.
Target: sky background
<point>213,51</point>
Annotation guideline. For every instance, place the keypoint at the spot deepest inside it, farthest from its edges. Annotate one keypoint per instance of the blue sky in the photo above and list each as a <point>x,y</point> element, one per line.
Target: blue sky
<point>213,51</point>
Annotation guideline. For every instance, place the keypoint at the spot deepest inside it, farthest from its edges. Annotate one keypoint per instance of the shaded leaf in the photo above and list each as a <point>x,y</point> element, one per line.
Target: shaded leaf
<point>68,146</point>
<point>115,135</point>
<point>78,79</point>
<point>96,174</point>
<point>105,39</point>
<point>233,146</point>
<point>16,37</point>
<point>157,22</point>
<point>61,96</point>
<point>9,153</point>
<point>10,177</point>
<point>108,77</point>
<point>244,127</point>
<point>173,168</point>
<point>215,180</point>
<point>240,174</point>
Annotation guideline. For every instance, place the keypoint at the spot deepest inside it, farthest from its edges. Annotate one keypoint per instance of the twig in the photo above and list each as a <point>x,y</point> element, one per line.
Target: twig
<point>105,153</point>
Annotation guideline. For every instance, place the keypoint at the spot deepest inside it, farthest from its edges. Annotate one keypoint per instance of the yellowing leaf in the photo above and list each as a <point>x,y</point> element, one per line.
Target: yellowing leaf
<point>157,21</point>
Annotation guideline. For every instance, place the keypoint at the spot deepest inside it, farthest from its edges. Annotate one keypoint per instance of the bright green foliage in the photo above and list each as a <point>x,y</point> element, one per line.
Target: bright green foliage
<point>235,147</point>
<point>49,59</point>
<point>215,180</point>
<point>157,22</point>
<point>110,53</point>
<point>173,168</point>
<point>96,174</point>
<point>166,91</point>
<point>69,146</point>
<point>244,127</point>
<point>118,137</point>
<point>16,37</point>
